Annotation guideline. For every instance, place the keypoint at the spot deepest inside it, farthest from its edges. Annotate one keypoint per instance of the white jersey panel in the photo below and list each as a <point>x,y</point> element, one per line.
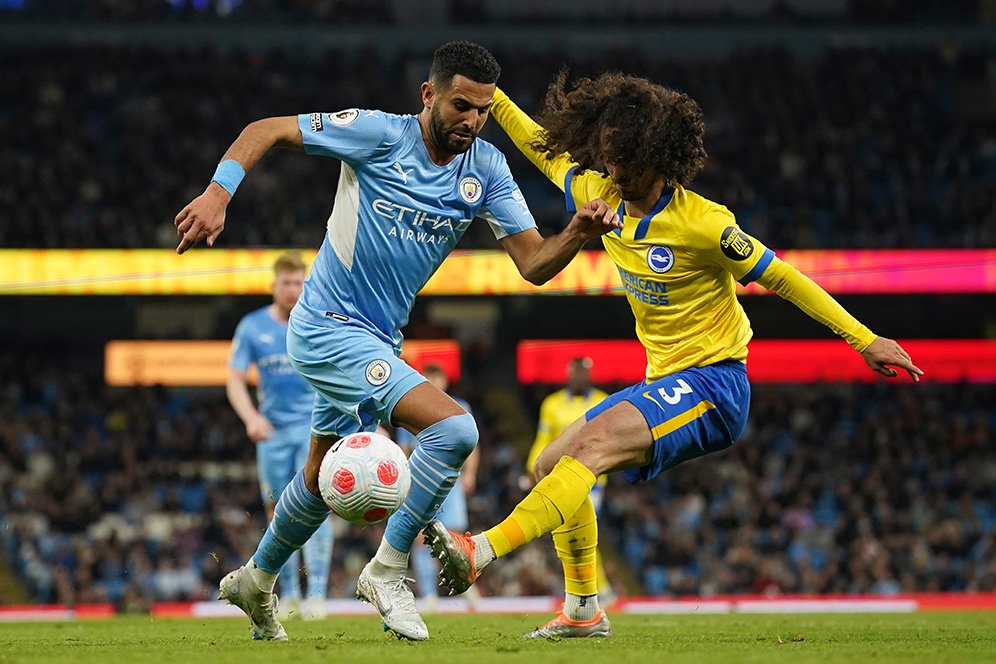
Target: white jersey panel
<point>345,219</point>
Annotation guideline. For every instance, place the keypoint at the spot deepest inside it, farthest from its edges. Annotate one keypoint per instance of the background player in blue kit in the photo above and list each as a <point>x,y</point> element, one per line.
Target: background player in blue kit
<point>410,187</point>
<point>452,513</point>
<point>280,427</point>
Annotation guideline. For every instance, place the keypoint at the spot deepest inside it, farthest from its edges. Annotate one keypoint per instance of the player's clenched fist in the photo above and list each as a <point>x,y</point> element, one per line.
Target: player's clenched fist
<point>595,218</point>
<point>202,218</point>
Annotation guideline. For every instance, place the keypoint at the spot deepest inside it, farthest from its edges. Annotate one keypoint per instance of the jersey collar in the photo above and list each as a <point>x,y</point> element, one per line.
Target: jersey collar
<point>644,225</point>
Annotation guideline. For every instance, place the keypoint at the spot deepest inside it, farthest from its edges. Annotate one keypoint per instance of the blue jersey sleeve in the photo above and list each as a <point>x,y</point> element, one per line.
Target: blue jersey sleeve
<point>352,135</point>
<point>504,206</point>
<point>241,347</point>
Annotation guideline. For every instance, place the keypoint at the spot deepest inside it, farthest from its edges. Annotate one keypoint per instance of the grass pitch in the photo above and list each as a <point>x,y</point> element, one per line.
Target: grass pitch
<point>739,639</point>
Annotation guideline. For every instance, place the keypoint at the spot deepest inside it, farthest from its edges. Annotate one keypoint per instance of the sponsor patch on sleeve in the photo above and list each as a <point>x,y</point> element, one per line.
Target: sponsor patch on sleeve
<point>344,118</point>
<point>735,245</point>
<point>316,122</point>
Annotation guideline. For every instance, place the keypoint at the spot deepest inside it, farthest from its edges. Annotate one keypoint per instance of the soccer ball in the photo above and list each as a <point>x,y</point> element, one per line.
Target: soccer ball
<point>364,478</point>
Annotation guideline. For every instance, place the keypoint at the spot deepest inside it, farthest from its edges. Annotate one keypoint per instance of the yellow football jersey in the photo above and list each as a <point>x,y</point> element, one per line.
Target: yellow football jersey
<point>679,265</point>
<point>557,412</point>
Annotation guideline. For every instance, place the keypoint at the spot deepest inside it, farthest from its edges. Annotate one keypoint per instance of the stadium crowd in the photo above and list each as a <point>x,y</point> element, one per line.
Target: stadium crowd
<point>146,494</point>
<point>591,12</point>
<point>864,148</point>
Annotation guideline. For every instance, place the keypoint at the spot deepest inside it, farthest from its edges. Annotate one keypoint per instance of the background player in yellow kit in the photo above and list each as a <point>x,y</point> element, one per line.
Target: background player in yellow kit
<point>557,412</point>
<point>637,145</point>
<point>559,409</point>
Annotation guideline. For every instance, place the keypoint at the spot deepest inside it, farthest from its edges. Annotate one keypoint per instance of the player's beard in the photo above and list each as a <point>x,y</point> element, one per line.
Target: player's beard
<point>441,135</point>
<point>627,193</point>
<point>635,187</point>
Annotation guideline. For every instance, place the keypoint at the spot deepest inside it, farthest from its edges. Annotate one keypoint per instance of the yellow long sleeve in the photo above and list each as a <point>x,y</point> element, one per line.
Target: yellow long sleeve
<point>522,129</point>
<point>806,294</point>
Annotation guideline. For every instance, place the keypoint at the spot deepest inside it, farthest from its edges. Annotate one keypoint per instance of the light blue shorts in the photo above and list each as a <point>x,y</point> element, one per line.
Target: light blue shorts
<point>359,378</point>
<point>279,457</point>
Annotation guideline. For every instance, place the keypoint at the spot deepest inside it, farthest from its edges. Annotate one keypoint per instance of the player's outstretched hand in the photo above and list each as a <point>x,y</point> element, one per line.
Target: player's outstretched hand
<point>595,218</point>
<point>883,353</point>
<point>203,218</point>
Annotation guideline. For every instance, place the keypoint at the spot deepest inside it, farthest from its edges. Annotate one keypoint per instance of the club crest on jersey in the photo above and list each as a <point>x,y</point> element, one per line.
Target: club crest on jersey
<point>343,118</point>
<point>735,244</point>
<point>316,122</point>
<point>660,259</point>
<point>471,189</point>
<point>378,372</point>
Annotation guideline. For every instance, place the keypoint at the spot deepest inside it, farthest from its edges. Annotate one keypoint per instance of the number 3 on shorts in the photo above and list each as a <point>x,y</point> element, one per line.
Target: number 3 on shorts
<point>682,388</point>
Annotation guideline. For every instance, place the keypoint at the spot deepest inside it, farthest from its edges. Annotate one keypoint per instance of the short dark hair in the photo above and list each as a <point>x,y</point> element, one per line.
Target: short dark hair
<point>463,58</point>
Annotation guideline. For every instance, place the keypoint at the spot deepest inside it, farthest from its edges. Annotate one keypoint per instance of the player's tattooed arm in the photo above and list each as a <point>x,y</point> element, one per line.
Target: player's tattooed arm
<point>204,217</point>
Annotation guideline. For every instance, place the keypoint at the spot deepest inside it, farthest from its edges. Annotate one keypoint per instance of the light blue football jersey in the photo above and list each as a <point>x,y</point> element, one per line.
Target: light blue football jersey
<point>285,399</point>
<point>397,215</point>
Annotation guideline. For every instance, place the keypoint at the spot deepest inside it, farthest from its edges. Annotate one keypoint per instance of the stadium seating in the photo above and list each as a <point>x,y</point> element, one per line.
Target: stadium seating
<point>829,165</point>
<point>141,495</point>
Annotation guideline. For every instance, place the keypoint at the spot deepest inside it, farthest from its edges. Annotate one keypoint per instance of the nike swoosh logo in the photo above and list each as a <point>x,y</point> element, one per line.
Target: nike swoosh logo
<point>383,603</point>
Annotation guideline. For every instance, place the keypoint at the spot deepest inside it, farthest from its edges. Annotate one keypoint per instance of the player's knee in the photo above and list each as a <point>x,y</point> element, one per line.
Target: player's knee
<point>591,448</point>
<point>458,434</point>
<point>542,467</point>
<point>465,434</point>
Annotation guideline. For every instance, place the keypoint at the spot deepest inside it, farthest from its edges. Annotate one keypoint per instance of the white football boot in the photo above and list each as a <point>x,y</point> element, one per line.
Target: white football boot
<point>240,589</point>
<point>394,600</point>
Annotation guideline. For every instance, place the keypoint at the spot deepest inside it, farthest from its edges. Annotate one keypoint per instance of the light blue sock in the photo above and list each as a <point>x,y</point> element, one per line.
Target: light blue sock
<point>298,515</point>
<point>435,465</point>
<point>317,560</point>
<point>425,570</point>
<point>290,578</point>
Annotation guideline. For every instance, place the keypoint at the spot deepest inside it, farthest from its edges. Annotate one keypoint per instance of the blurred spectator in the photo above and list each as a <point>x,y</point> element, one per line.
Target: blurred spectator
<point>850,148</point>
<point>132,496</point>
<point>592,12</point>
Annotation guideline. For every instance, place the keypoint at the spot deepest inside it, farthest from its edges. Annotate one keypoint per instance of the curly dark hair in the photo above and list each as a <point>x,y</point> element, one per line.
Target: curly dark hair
<point>651,127</point>
<point>466,59</point>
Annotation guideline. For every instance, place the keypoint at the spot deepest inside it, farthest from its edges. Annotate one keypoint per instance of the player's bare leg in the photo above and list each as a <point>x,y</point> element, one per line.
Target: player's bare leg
<point>615,440</point>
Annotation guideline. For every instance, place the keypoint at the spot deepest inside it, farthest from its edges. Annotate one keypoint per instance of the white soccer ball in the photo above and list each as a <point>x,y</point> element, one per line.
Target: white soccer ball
<point>364,478</point>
